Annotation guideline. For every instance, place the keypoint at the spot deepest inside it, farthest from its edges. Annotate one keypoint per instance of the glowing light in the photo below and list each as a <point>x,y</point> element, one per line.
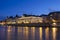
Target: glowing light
<point>33,33</point>
<point>9,29</point>
<point>26,29</point>
<point>53,20</point>
<point>54,33</point>
<point>19,29</point>
<point>47,33</point>
<point>40,21</point>
<point>26,33</point>
<point>54,24</point>
<point>33,29</point>
<point>40,29</point>
<point>9,22</point>
<point>13,22</point>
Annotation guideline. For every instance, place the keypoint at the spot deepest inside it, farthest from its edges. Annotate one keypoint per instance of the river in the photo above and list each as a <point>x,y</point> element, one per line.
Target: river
<point>29,33</point>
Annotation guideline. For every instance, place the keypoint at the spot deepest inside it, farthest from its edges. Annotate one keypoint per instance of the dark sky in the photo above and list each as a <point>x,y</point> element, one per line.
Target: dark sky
<point>36,7</point>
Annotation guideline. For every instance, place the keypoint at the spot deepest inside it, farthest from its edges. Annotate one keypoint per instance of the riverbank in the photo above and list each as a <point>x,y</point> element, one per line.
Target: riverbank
<point>32,25</point>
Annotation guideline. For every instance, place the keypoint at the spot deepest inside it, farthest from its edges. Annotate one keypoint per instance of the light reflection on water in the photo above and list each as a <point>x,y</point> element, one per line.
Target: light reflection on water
<point>33,33</point>
<point>40,31</point>
<point>54,31</point>
<point>28,33</point>
<point>47,33</point>
<point>9,33</point>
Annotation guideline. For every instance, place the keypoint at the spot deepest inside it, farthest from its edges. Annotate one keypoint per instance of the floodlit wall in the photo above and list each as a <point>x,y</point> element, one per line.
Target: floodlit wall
<point>25,20</point>
<point>29,20</point>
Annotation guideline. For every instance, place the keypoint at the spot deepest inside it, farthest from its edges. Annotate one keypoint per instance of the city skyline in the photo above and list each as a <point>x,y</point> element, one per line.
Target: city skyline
<point>34,7</point>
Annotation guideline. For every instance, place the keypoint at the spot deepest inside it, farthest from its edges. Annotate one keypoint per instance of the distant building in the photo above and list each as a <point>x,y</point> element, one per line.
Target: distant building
<point>45,18</point>
<point>29,19</point>
<point>52,18</point>
<point>10,21</point>
<point>55,16</point>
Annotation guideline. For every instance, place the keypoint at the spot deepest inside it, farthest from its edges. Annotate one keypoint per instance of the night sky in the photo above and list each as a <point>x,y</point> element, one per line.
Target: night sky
<point>35,7</point>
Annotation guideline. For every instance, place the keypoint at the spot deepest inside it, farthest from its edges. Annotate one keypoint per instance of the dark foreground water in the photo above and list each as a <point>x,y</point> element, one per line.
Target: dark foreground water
<point>29,33</point>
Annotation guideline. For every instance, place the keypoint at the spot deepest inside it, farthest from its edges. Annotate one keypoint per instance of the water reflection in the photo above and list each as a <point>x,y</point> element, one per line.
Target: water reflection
<point>9,33</point>
<point>9,29</point>
<point>28,33</point>
<point>47,33</point>
<point>20,35</point>
<point>54,33</point>
<point>33,33</point>
<point>40,29</point>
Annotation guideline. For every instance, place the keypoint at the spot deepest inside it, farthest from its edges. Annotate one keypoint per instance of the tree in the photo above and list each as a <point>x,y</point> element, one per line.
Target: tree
<point>25,15</point>
<point>16,15</point>
<point>11,17</point>
<point>7,17</point>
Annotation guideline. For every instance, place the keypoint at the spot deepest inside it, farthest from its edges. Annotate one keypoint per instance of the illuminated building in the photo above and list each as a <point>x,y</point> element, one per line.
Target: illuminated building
<point>52,18</point>
<point>19,20</point>
<point>55,16</point>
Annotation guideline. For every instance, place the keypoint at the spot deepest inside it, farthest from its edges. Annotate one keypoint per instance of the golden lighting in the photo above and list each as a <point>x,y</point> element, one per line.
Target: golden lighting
<point>54,33</point>
<point>33,32</point>
<point>33,29</point>
<point>9,33</point>
<point>2,23</point>
<point>47,33</point>
<point>19,29</point>
<point>54,24</point>
<point>9,22</point>
<point>9,28</point>
<point>13,22</point>
<point>53,20</point>
<point>26,32</point>
<point>26,22</point>
<point>26,29</point>
<point>40,21</point>
<point>40,29</point>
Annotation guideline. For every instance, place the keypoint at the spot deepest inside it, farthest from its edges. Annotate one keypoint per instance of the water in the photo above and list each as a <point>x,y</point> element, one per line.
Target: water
<point>29,33</point>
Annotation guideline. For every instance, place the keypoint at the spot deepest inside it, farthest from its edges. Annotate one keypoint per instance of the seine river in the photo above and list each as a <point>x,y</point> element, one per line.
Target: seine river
<point>29,33</point>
